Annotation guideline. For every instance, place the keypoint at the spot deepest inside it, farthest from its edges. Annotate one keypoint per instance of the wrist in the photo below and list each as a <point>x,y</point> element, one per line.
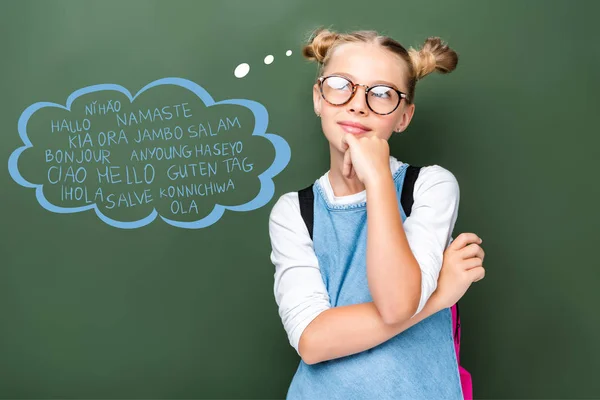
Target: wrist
<point>378,179</point>
<point>436,302</point>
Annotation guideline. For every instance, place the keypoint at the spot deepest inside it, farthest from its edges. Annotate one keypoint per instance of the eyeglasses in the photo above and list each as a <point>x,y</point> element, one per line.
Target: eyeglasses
<point>381,99</point>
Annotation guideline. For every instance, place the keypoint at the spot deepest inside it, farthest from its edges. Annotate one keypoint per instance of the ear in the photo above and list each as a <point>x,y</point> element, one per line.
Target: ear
<point>317,99</point>
<point>407,114</point>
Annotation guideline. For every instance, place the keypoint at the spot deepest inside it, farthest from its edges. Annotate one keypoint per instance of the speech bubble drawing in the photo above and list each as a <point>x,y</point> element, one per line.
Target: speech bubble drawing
<point>242,69</point>
<point>260,115</point>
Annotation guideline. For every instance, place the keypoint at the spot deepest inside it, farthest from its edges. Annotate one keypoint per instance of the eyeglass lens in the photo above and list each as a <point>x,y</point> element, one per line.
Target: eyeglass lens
<point>381,99</point>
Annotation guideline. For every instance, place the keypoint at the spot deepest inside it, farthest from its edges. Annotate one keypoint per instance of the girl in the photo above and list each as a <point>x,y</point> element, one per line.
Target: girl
<point>347,297</point>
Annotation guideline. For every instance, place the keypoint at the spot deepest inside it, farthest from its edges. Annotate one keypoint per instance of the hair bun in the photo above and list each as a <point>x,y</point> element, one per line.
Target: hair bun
<point>319,44</point>
<point>434,55</point>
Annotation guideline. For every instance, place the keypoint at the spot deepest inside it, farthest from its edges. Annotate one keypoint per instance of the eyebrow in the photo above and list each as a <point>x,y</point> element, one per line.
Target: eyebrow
<point>352,78</point>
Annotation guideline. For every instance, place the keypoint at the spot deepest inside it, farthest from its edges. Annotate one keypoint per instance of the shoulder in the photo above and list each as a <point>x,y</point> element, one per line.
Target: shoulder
<point>286,205</point>
<point>285,215</point>
<point>435,178</point>
<point>429,175</point>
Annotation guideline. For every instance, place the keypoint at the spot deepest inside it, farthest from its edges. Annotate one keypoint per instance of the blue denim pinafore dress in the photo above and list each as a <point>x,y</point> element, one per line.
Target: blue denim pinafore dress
<point>419,363</point>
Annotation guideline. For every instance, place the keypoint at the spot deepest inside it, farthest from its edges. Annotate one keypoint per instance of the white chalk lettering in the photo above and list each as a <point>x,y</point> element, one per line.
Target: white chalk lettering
<point>165,113</point>
<point>70,126</point>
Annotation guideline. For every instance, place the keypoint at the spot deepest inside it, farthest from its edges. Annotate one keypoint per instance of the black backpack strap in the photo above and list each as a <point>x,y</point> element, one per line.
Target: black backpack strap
<point>406,198</point>
<point>306,198</point>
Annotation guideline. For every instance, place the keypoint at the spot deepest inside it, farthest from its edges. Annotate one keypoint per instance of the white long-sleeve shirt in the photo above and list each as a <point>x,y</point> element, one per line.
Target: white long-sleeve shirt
<point>299,289</point>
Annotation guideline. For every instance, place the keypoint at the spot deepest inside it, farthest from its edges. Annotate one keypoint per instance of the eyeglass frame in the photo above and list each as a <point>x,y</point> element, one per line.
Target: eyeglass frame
<point>401,95</point>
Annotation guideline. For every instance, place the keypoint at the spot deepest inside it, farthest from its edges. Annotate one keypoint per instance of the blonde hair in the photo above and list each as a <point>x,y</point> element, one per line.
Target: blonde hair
<point>434,55</point>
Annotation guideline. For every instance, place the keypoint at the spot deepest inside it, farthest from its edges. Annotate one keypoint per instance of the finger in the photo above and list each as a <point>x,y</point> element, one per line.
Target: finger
<point>347,167</point>
<point>345,144</point>
<point>476,274</point>
<point>350,139</point>
<point>463,240</point>
<point>346,139</point>
<point>471,263</point>
<point>472,250</point>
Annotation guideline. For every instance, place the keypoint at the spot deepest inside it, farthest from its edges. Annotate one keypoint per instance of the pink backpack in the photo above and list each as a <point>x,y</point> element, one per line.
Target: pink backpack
<point>465,376</point>
<point>306,200</point>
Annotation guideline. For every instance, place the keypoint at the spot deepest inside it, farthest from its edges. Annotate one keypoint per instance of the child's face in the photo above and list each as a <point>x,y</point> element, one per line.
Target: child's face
<point>365,64</point>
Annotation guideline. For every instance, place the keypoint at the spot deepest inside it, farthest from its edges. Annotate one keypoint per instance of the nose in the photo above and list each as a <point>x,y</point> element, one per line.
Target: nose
<point>358,102</point>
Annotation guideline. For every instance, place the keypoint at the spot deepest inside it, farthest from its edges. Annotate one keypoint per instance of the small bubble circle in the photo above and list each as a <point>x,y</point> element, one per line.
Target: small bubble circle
<point>241,70</point>
<point>269,59</point>
<point>288,53</point>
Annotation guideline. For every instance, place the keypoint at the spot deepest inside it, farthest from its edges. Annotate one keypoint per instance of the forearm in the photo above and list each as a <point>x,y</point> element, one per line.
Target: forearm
<point>393,272</point>
<point>346,330</point>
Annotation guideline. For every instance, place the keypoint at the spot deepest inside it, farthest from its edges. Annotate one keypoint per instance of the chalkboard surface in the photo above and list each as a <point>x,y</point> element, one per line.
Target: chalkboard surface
<point>145,142</point>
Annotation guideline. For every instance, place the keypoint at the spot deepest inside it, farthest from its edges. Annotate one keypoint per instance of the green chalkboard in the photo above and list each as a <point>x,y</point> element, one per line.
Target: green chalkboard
<point>135,261</point>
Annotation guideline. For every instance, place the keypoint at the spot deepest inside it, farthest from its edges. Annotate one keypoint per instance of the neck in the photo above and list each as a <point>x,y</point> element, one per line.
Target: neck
<point>341,185</point>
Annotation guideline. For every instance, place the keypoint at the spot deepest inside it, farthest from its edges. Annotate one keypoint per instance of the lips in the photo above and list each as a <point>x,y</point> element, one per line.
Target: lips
<point>353,127</point>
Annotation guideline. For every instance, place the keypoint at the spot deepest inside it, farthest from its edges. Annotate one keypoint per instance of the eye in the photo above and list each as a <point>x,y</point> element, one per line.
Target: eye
<point>338,83</point>
<point>381,92</point>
